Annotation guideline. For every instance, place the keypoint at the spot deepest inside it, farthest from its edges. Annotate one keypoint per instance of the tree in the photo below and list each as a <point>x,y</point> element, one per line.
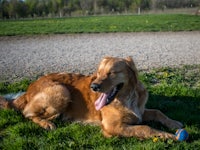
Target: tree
<point>127,4</point>
<point>31,7</point>
<point>60,4</point>
<point>21,9</point>
<point>138,4</point>
<point>4,9</point>
<point>70,6</point>
<point>86,6</point>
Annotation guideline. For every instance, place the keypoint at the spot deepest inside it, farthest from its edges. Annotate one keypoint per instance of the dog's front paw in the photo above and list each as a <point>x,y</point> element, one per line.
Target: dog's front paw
<point>173,124</point>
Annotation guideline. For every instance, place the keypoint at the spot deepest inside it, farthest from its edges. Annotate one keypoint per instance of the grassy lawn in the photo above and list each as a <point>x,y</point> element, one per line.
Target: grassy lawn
<point>175,91</point>
<point>99,24</point>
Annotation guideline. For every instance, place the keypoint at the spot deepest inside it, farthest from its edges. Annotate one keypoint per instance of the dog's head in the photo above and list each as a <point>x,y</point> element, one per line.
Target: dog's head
<point>113,76</point>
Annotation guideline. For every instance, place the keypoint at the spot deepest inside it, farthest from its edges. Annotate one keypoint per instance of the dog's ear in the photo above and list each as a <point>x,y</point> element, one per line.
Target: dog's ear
<point>133,71</point>
<point>104,61</point>
<point>106,58</point>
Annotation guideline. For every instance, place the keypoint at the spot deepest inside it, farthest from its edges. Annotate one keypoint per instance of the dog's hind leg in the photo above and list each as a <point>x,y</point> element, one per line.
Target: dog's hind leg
<point>47,105</point>
<point>48,125</point>
<point>156,115</point>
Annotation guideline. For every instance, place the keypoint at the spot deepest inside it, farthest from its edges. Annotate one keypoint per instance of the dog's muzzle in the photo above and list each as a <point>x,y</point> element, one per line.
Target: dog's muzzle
<point>105,98</point>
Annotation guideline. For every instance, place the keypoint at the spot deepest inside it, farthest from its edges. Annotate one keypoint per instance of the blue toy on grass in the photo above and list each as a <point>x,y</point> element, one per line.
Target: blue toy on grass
<point>181,135</point>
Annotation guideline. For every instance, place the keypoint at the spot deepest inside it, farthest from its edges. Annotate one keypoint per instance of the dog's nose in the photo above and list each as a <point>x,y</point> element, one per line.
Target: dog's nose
<point>95,87</point>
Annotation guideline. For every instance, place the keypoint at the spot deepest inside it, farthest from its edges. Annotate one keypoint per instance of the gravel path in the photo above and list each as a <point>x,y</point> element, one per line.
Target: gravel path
<point>29,56</point>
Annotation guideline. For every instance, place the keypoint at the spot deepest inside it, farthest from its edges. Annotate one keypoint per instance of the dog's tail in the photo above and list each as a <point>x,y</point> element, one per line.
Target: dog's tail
<point>13,100</point>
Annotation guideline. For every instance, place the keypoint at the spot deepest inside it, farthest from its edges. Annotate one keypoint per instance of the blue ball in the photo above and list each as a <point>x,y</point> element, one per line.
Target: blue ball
<point>181,135</point>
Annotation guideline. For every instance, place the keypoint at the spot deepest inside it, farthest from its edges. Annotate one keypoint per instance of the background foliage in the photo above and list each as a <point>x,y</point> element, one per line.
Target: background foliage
<point>60,8</point>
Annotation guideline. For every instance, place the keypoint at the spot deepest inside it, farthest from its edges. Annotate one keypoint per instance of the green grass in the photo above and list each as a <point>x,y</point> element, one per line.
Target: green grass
<point>175,91</point>
<point>99,24</point>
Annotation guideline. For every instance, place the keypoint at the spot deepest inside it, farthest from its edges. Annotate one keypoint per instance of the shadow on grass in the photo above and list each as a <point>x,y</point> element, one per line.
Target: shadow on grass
<point>181,108</point>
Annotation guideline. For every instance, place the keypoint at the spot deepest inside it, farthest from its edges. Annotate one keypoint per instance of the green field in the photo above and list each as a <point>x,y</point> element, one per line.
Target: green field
<point>99,24</point>
<point>175,91</point>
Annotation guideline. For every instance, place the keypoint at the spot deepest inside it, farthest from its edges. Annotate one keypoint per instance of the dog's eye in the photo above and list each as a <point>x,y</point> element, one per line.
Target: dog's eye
<point>111,73</point>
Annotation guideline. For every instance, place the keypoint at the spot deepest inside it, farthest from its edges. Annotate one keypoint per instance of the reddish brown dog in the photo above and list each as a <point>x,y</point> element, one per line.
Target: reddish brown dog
<point>113,98</point>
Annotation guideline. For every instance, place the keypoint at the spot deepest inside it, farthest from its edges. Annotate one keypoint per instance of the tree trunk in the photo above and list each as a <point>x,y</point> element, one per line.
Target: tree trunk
<point>138,10</point>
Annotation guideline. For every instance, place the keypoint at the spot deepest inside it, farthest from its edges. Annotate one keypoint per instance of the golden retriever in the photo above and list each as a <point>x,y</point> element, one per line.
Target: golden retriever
<point>112,98</point>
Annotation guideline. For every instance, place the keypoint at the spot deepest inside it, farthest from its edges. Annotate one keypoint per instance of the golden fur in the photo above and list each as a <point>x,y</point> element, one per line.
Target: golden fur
<point>71,95</point>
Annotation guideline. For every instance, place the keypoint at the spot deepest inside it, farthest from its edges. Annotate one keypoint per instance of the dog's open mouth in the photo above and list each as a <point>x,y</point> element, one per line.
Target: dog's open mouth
<point>107,98</point>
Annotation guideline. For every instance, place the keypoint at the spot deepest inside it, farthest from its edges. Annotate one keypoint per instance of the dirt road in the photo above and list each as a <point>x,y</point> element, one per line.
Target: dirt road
<point>29,56</point>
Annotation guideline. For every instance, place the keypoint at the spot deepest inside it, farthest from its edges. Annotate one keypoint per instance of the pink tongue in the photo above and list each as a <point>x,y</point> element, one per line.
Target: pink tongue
<point>101,101</point>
